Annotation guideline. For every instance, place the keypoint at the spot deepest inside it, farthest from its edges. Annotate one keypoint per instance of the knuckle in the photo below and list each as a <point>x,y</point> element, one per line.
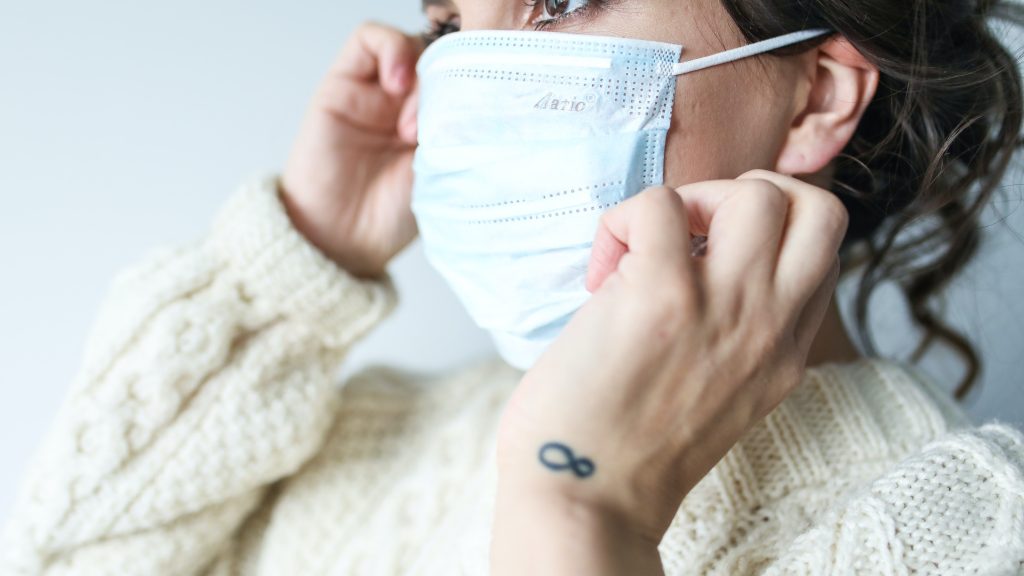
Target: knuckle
<point>609,218</point>
<point>769,190</point>
<point>381,35</point>
<point>657,196</point>
<point>838,211</point>
<point>832,214</point>
<point>767,195</point>
<point>665,198</point>
<point>367,28</point>
<point>371,27</point>
<point>635,202</point>
<point>756,173</point>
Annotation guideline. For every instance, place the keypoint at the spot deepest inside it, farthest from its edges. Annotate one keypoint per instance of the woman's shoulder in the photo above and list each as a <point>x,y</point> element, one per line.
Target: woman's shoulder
<point>956,506</point>
<point>953,492</point>
<point>903,397</point>
<point>906,405</point>
<point>864,464</point>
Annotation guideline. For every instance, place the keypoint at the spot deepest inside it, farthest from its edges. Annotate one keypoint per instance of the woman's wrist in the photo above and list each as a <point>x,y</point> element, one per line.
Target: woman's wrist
<point>313,232</point>
<point>545,529</point>
<point>592,480</point>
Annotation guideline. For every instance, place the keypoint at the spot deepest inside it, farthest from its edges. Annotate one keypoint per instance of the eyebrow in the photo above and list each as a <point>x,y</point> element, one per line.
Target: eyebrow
<point>444,3</point>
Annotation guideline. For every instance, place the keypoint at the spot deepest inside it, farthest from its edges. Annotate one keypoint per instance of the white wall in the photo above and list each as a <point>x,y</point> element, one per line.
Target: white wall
<point>125,125</point>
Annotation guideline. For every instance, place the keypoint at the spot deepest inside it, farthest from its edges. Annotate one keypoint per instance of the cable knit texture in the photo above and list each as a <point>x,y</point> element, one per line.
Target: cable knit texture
<point>206,434</point>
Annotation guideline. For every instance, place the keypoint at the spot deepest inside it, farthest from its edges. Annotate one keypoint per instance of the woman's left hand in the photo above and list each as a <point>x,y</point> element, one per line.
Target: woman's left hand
<point>673,357</point>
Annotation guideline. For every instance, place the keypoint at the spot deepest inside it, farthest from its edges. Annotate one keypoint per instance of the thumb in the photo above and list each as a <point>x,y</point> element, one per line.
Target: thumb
<point>605,254</point>
<point>408,118</point>
<point>652,224</point>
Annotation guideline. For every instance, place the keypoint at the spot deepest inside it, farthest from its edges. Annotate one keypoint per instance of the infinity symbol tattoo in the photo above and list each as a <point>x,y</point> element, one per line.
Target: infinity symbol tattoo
<point>582,467</point>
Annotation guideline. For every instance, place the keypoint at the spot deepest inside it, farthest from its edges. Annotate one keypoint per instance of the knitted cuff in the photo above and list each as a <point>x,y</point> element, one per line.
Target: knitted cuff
<point>278,267</point>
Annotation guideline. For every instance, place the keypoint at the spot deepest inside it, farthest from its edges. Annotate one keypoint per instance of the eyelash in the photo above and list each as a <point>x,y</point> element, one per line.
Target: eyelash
<point>439,28</point>
<point>579,12</point>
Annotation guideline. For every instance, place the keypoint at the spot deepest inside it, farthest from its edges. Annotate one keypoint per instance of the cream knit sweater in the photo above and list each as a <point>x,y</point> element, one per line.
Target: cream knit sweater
<point>206,434</point>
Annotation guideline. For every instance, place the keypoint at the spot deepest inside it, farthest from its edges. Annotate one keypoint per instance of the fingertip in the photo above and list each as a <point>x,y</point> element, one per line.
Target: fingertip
<point>408,132</point>
<point>702,200</point>
<point>396,54</point>
<point>414,129</point>
<point>654,222</point>
<point>606,252</point>
<point>403,76</point>
<point>408,121</point>
<point>405,62</point>
<point>757,174</point>
<point>396,81</point>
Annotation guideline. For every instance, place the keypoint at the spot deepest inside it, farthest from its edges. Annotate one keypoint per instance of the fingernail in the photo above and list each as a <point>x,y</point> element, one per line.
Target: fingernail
<point>409,131</point>
<point>400,77</point>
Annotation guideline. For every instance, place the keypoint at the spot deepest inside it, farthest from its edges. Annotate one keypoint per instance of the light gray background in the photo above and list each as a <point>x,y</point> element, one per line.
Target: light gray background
<point>125,125</point>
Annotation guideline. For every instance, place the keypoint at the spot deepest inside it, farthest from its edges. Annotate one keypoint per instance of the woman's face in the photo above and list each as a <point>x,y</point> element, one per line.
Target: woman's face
<point>727,119</point>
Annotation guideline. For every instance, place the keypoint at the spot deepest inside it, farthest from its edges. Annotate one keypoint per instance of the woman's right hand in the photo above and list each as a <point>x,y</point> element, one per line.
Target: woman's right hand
<point>348,180</point>
<point>673,358</point>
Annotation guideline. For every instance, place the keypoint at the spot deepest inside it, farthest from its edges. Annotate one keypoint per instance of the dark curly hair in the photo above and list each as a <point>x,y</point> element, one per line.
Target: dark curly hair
<point>931,149</point>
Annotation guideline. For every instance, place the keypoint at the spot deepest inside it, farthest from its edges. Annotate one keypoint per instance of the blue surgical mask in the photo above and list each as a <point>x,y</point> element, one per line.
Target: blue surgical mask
<point>525,139</point>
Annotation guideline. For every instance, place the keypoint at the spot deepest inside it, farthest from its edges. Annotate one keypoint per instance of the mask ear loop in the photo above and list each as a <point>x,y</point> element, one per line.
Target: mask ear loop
<point>747,51</point>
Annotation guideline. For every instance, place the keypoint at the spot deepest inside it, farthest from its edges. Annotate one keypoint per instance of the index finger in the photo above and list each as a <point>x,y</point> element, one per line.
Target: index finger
<point>652,225</point>
<point>816,226</point>
<point>744,223</point>
<point>380,53</point>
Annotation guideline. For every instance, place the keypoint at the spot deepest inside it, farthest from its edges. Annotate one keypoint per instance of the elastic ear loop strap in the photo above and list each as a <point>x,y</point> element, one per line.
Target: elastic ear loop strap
<point>747,51</point>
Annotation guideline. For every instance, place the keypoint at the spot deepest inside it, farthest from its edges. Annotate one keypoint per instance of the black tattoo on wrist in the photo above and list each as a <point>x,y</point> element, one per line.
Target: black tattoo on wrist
<point>558,456</point>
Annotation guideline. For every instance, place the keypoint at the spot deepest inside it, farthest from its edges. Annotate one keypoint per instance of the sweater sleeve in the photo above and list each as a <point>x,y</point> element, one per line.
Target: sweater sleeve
<point>208,375</point>
<point>954,507</point>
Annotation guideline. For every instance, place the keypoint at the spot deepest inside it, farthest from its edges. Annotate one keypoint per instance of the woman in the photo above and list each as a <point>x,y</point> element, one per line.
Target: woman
<point>702,412</point>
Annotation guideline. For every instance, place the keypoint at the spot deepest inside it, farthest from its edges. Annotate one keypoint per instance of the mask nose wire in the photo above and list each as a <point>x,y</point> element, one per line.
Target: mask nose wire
<point>747,51</point>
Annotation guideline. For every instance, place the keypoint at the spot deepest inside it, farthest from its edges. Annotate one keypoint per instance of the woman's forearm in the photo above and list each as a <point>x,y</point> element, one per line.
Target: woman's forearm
<point>208,375</point>
<point>545,533</point>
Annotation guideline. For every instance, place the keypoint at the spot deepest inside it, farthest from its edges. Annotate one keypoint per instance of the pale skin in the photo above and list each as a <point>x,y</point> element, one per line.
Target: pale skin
<point>674,357</point>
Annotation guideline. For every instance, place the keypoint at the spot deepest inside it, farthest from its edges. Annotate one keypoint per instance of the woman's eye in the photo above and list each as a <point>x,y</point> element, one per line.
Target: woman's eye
<point>439,28</point>
<point>557,9</point>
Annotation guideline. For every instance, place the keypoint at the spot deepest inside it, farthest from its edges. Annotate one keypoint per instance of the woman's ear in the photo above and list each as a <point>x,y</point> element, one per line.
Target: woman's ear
<point>842,85</point>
